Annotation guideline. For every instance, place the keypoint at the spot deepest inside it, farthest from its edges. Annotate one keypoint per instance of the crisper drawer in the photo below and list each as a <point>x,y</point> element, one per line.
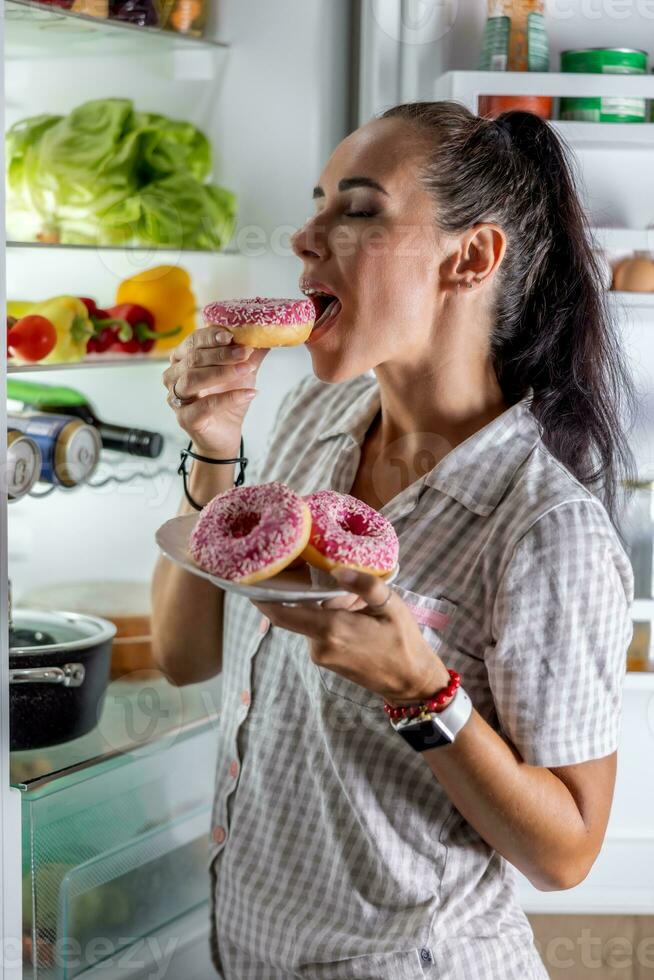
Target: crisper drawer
<point>115,855</point>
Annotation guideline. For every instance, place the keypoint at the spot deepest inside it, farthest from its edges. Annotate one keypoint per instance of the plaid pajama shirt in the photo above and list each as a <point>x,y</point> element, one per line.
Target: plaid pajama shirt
<point>335,852</point>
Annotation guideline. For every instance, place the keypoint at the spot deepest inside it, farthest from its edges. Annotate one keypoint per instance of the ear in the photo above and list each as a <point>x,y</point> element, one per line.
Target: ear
<point>476,259</point>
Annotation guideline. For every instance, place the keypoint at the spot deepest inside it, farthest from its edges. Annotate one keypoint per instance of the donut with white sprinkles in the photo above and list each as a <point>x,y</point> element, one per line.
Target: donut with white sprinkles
<point>261,322</point>
<point>247,534</point>
<point>348,533</point>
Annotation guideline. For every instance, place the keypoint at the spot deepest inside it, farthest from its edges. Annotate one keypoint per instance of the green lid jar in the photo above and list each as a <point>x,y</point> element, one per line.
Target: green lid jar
<point>604,61</point>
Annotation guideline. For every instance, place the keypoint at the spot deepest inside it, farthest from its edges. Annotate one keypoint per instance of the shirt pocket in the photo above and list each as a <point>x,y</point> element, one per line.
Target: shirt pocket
<point>434,617</point>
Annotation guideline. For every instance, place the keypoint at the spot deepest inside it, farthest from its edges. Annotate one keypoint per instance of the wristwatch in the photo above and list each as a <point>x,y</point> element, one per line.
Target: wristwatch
<point>437,728</point>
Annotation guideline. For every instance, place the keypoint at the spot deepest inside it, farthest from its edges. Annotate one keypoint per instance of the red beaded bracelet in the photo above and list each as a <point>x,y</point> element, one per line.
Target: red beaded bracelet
<point>433,704</point>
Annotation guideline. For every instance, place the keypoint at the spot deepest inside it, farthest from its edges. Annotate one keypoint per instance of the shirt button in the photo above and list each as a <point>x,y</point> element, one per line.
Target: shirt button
<point>264,625</point>
<point>219,834</point>
<point>233,769</point>
<point>245,698</point>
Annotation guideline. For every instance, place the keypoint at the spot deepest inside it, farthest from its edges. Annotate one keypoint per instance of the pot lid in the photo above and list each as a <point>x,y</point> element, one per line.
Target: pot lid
<point>38,631</point>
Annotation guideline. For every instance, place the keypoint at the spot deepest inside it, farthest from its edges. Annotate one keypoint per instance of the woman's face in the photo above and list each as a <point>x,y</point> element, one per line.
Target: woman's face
<point>374,245</point>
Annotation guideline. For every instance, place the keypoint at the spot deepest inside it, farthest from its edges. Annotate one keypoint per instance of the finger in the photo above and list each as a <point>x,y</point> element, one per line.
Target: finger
<point>201,412</point>
<point>229,361</point>
<point>198,382</point>
<point>370,588</point>
<point>350,602</point>
<point>209,336</point>
<point>311,620</point>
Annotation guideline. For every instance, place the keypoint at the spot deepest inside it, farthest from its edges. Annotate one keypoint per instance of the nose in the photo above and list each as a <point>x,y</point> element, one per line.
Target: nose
<point>310,241</point>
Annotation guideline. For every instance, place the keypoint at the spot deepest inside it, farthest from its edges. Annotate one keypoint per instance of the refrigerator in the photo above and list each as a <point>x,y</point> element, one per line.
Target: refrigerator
<point>105,836</point>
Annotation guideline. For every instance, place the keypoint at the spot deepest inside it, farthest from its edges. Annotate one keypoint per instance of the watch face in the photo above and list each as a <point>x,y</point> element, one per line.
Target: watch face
<point>424,735</point>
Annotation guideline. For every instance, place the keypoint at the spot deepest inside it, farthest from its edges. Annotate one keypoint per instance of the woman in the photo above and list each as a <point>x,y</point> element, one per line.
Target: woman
<point>467,386</point>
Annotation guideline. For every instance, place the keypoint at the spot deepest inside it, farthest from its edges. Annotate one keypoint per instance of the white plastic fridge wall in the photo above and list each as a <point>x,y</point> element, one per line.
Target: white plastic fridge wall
<point>277,106</point>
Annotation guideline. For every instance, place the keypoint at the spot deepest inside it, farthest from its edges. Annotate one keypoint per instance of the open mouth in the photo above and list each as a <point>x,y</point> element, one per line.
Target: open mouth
<point>326,305</point>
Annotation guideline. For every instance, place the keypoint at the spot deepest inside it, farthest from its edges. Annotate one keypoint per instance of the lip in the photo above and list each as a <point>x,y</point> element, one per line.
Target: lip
<point>307,283</point>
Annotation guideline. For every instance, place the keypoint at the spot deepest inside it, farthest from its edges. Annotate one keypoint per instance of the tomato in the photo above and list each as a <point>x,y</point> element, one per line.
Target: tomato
<point>31,338</point>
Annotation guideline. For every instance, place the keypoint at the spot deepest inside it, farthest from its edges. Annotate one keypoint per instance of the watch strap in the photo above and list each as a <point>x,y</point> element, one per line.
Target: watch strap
<point>439,727</point>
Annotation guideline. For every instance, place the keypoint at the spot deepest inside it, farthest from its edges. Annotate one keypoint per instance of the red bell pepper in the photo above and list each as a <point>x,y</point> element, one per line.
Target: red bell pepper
<point>127,328</point>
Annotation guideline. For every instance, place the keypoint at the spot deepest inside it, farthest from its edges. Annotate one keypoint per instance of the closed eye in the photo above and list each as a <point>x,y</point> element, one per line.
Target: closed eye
<point>360,214</point>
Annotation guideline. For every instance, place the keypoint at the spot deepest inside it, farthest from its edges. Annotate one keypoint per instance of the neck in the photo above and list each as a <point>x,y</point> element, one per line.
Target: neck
<point>438,397</point>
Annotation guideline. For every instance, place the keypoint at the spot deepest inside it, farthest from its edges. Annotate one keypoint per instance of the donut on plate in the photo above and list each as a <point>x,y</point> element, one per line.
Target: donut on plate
<point>348,533</point>
<point>247,534</point>
<point>263,322</point>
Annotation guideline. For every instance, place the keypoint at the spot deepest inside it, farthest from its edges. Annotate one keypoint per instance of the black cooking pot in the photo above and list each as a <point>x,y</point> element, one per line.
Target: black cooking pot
<point>58,675</point>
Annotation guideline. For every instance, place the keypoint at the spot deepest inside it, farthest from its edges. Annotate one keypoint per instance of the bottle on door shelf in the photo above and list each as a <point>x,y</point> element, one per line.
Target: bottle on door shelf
<point>515,38</point>
<point>70,449</point>
<point>69,401</point>
<point>184,16</point>
<point>23,465</point>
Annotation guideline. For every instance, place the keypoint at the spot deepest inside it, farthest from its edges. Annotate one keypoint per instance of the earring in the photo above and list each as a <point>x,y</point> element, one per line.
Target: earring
<point>468,285</point>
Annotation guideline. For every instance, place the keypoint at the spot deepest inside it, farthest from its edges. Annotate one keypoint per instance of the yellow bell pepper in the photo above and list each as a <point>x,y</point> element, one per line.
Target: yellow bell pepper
<point>70,318</point>
<point>19,308</point>
<point>166,292</point>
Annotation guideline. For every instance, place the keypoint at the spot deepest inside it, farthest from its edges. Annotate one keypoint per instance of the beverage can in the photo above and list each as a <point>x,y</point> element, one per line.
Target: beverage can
<point>70,448</point>
<point>604,61</point>
<point>23,464</point>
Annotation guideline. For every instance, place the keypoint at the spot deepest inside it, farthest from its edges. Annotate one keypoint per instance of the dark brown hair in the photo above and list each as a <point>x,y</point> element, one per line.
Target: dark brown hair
<point>552,329</point>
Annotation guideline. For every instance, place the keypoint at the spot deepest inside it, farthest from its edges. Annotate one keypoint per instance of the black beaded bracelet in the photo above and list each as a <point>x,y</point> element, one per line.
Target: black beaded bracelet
<point>207,459</point>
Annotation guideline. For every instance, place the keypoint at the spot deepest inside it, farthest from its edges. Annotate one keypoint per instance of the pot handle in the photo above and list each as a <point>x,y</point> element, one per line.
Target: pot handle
<point>70,675</point>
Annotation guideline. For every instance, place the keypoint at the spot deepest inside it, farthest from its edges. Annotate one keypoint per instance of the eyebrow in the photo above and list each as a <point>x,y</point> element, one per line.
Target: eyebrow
<point>348,183</point>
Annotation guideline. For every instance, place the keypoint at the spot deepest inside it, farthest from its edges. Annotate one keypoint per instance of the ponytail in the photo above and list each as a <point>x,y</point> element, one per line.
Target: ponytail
<point>552,330</point>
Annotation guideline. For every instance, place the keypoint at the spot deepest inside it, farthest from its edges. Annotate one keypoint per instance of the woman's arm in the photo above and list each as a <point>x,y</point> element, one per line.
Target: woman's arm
<point>549,823</point>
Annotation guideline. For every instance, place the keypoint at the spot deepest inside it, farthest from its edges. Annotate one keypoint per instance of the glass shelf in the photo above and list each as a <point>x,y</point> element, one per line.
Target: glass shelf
<point>97,361</point>
<point>156,249</point>
<point>140,711</point>
<point>34,29</point>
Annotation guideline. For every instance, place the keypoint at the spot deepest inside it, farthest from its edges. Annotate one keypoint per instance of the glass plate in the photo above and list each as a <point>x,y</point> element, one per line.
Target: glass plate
<point>303,584</point>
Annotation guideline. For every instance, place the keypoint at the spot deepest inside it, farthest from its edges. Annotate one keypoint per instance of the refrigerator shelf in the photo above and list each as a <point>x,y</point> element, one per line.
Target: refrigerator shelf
<point>624,240</point>
<point>127,249</point>
<point>98,484</point>
<point>91,361</point>
<point>34,29</point>
<point>467,86</point>
<point>142,714</point>
<point>636,306</point>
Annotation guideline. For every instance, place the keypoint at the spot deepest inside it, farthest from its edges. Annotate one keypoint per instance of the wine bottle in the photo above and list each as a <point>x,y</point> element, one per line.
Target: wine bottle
<point>68,401</point>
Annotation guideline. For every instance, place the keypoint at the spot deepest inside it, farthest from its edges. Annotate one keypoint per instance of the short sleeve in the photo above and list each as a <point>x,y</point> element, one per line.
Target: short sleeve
<point>561,627</point>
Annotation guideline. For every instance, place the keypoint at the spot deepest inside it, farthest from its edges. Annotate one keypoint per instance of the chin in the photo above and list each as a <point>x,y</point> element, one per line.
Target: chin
<point>335,367</point>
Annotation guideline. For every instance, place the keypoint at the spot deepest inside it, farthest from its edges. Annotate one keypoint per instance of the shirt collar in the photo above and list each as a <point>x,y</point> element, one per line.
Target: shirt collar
<point>479,470</point>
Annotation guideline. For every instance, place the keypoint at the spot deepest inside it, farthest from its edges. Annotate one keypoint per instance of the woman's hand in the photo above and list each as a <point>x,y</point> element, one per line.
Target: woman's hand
<point>215,378</point>
<point>384,652</point>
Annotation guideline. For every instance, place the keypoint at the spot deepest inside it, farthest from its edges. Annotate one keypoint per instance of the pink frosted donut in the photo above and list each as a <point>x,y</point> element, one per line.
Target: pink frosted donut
<point>263,322</point>
<point>247,534</point>
<point>348,533</point>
